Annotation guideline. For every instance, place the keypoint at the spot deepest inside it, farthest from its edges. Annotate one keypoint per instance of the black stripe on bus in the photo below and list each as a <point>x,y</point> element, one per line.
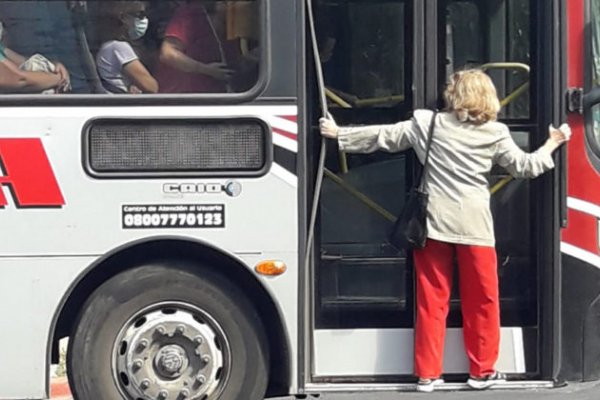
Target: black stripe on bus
<point>285,158</point>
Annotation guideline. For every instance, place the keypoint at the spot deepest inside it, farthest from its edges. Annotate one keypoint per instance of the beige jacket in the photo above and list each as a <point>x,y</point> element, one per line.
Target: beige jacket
<point>461,156</point>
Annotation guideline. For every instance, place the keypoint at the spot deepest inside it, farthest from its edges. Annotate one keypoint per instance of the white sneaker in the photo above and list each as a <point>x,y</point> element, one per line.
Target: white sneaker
<point>486,381</point>
<point>428,385</point>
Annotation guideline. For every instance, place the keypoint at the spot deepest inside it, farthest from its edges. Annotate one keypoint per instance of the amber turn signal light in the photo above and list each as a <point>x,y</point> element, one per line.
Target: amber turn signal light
<point>271,267</point>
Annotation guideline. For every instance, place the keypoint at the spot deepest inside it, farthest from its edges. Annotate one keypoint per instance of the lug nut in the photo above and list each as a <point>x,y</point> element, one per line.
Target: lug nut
<point>206,359</point>
<point>143,345</point>
<point>161,329</point>
<point>200,379</point>
<point>180,329</point>
<point>184,394</point>
<point>145,384</point>
<point>163,395</point>
<point>138,364</point>
<point>198,340</point>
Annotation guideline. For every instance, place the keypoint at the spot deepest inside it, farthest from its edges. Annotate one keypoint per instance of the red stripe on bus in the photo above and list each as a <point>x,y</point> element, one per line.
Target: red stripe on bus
<point>286,134</point>
<point>576,41</point>
<point>293,118</point>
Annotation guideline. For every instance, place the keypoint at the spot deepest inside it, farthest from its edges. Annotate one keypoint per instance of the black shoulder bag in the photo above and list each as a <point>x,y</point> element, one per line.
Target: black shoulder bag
<point>410,229</point>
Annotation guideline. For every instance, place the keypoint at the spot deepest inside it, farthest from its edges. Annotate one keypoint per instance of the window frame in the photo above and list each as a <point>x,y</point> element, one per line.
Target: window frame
<point>592,93</point>
<point>166,99</point>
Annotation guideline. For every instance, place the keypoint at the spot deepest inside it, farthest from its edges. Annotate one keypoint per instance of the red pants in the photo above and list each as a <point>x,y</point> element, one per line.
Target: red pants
<point>478,280</point>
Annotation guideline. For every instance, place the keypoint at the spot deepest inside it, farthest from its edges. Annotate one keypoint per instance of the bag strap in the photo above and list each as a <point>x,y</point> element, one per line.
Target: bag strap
<point>421,179</point>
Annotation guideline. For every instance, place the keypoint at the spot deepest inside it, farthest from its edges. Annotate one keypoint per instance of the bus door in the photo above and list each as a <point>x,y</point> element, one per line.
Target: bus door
<point>382,59</point>
<point>580,241</point>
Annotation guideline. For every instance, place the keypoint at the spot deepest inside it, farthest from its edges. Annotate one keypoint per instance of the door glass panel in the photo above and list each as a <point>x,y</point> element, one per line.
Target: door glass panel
<point>496,35</point>
<point>485,33</point>
<point>361,281</point>
<point>363,47</point>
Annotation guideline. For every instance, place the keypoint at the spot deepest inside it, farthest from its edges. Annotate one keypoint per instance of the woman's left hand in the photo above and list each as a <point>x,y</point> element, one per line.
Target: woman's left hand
<point>560,135</point>
<point>557,137</point>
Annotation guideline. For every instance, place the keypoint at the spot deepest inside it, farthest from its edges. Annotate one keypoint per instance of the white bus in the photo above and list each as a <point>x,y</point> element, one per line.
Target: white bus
<point>166,233</point>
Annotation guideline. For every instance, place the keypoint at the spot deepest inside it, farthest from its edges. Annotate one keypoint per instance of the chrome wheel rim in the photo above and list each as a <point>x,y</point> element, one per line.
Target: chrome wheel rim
<point>171,351</point>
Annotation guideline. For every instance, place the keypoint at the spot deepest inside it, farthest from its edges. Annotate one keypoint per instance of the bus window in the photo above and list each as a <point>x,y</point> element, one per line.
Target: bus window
<point>486,33</point>
<point>595,67</point>
<point>130,47</point>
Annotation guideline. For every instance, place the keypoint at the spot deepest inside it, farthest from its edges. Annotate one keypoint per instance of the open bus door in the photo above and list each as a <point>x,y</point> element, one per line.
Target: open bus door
<point>580,300</point>
<point>382,59</point>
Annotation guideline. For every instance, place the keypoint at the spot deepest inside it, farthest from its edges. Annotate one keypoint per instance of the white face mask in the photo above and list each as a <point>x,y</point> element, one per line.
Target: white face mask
<point>139,28</point>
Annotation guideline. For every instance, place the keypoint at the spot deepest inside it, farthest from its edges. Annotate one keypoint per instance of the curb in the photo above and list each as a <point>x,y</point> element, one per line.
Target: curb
<point>59,389</point>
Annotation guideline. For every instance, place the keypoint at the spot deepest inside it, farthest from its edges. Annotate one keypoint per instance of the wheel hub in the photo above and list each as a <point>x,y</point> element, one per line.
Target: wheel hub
<point>171,351</point>
<point>170,361</point>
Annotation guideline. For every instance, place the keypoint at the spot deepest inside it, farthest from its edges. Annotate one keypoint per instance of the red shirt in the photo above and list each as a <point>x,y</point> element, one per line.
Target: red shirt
<point>191,25</point>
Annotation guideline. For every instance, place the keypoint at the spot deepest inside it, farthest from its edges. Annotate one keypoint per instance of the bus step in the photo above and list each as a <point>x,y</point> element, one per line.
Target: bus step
<point>410,387</point>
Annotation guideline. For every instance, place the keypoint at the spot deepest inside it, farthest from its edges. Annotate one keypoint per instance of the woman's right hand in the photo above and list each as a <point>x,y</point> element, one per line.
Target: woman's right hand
<point>329,128</point>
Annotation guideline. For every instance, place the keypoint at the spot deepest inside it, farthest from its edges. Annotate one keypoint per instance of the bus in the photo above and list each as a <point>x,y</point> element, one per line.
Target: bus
<point>182,232</point>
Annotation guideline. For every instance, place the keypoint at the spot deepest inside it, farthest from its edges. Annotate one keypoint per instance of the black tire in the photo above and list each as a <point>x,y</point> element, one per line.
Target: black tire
<point>90,354</point>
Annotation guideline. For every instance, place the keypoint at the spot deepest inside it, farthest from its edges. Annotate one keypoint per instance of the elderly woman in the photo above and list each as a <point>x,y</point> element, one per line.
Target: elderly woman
<point>467,142</point>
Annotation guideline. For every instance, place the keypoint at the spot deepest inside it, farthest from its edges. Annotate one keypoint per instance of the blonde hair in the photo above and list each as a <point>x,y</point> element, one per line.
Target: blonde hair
<point>472,97</point>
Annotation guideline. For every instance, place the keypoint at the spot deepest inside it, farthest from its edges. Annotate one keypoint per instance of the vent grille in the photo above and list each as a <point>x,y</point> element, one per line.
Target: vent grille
<point>177,147</point>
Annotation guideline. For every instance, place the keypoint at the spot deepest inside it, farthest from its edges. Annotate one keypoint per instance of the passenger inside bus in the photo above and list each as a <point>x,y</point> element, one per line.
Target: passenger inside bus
<point>194,46</point>
<point>36,74</point>
<point>192,56</point>
<point>119,67</point>
<point>201,51</point>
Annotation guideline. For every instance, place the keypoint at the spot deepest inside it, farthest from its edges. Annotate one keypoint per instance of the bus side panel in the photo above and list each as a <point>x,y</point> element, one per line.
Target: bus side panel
<point>45,249</point>
<point>29,302</point>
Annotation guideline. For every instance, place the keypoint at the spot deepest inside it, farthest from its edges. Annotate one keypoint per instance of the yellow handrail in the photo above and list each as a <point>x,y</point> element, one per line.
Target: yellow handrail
<point>360,196</point>
<point>506,65</point>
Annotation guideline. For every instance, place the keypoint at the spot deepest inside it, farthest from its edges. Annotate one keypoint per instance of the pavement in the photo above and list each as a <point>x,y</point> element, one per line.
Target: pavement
<point>571,391</point>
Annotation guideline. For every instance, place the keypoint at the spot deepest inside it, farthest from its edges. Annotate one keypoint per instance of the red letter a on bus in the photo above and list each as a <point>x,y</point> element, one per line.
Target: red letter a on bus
<point>29,174</point>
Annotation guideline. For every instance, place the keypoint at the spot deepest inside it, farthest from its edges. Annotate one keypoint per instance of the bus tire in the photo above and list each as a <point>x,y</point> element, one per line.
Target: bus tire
<point>160,332</point>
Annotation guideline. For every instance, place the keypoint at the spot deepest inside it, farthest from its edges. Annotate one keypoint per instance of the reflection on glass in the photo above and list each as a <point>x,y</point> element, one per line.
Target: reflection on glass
<point>133,47</point>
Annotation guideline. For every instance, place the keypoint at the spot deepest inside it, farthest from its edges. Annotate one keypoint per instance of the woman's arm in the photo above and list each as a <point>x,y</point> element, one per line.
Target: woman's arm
<point>172,52</point>
<point>529,165</point>
<point>14,56</point>
<point>140,76</point>
<point>13,80</point>
<point>367,139</point>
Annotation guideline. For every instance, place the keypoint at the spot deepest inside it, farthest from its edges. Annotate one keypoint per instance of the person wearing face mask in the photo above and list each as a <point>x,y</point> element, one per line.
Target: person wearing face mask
<point>35,74</point>
<point>119,67</point>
